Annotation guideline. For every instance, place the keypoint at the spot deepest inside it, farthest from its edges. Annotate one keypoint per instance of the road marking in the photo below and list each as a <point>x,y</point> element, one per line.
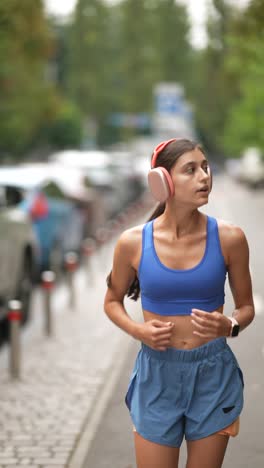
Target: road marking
<point>259,304</point>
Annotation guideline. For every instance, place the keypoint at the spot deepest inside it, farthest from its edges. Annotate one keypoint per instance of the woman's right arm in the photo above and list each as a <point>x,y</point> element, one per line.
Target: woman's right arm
<point>154,333</point>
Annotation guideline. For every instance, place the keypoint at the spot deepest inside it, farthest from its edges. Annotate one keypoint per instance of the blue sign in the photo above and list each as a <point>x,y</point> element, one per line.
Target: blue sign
<point>169,99</point>
<point>120,119</point>
<point>168,104</point>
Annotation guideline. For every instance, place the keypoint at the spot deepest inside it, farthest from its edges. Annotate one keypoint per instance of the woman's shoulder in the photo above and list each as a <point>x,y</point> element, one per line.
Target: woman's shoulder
<point>230,233</point>
<point>131,238</point>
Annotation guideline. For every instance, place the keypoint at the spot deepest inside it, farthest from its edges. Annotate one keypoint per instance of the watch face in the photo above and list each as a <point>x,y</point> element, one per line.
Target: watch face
<point>235,330</point>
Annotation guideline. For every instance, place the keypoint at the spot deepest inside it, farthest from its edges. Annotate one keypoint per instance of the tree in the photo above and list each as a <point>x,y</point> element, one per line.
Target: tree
<point>151,46</point>
<point>137,56</point>
<point>89,59</point>
<point>171,37</point>
<point>117,53</point>
<point>154,36</point>
<point>214,89</point>
<point>246,117</point>
<point>25,92</point>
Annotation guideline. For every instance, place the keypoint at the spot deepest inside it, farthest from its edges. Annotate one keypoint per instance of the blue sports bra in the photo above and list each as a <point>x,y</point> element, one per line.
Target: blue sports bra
<point>166,291</point>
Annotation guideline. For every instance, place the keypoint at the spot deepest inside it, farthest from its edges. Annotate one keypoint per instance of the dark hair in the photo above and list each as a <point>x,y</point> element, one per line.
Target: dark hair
<point>166,158</point>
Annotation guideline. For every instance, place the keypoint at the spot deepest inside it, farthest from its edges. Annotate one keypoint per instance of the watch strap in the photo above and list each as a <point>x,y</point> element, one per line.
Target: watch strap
<point>234,323</point>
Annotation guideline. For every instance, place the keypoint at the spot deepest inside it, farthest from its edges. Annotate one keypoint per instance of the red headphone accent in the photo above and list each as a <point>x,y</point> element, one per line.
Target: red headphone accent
<point>160,147</point>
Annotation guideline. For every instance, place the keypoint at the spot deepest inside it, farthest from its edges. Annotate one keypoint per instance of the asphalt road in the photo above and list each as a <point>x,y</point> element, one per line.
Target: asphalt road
<point>112,445</point>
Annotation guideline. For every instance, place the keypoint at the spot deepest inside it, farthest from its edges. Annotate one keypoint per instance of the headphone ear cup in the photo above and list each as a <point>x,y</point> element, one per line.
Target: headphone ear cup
<point>160,184</point>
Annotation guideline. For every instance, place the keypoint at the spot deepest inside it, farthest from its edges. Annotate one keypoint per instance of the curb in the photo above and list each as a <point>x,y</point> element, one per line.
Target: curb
<point>94,417</point>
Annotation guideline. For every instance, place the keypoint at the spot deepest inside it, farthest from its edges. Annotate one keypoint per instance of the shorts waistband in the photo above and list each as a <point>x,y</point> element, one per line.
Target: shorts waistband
<point>187,355</point>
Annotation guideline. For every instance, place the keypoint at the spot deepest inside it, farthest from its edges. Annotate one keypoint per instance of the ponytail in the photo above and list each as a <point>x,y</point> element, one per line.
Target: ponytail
<point>160,208</point>
<point>134,289</point>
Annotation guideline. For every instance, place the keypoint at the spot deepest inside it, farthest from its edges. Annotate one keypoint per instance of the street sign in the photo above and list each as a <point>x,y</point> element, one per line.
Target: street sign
<point>169,98</point>
<point>172,113</point>
<point>120,119</point>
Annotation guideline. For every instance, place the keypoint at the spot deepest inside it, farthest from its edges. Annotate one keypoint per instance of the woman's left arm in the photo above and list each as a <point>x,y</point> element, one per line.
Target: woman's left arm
<point>239,277</point>
<point>215,324</point>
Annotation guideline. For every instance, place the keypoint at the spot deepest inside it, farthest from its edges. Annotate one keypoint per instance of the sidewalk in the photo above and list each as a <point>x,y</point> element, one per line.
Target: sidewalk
<point>44,415</point>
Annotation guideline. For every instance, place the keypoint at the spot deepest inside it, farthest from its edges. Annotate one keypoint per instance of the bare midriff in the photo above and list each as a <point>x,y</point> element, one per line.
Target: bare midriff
<point>182,335</point>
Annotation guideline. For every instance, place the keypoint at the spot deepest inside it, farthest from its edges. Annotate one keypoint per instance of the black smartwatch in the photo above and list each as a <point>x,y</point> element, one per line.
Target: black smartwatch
<point>235,327</point>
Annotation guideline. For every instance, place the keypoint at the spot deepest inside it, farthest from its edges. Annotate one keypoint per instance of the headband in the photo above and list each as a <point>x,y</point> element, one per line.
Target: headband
<point>158,150</point>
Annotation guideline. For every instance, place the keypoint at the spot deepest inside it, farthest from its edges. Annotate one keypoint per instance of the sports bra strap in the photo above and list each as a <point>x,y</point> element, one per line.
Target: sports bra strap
<point>147,235</point>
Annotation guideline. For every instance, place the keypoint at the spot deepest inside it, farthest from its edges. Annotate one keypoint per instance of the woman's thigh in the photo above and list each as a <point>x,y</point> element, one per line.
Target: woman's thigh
<point>150,454</point>
<point>208,452</point>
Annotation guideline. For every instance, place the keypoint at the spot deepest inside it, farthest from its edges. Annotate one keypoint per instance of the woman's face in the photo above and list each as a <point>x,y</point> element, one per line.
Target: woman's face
<point>191,178</point>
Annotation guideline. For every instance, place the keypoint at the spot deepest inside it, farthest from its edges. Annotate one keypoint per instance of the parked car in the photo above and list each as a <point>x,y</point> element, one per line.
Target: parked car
<point>233,168</point>
<point>19,253</point>
<point>57,223</point>
<point>126,166</point>
<point>252,167</point>
<point>248,169</point>
<point>72,182</point>
<point>95,169</point>
<point>111,174</point>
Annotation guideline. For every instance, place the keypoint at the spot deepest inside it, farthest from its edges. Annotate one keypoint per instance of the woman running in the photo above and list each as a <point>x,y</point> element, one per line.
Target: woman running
<point>186,380</point>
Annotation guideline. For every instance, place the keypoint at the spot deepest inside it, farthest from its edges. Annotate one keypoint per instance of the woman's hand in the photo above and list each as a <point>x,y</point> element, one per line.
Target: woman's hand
<point>210,324</point>
<point>155,334</point>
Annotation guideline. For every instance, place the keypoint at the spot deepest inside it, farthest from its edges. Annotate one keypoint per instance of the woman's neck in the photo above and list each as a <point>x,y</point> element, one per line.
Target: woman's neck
<point>180,222</point>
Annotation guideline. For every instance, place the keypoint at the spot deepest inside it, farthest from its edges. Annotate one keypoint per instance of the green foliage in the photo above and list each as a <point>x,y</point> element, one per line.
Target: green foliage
<point>88,58</point>
<point>212,91</point>
<point>153,34</point>
<point>136,56</point>
<point>118,53</point>
<point>66,129</point>
<point>228,94</point>
<point>24,49</point>
<point>108,59</point>
<point>171,33</point>
<point>246,117</point>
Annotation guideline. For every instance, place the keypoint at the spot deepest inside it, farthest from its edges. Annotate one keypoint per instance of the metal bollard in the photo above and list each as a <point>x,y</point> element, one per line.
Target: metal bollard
<point>114,227</point>
<point>123,219</point>
<point>14,317</point>
<point>71,263</point>
<point>102,236</point>
<point>88,248</point>
<point>48,282</point>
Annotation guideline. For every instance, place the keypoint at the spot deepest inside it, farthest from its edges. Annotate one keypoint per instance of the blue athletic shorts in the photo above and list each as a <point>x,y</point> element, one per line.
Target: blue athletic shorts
<point>192,393</point>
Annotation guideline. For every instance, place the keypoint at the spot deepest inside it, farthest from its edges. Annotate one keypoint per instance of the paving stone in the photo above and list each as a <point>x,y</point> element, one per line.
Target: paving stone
<point>43,413</point>
<point>52,466</point>
<point>49,461</point>
<point>7,460</point>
